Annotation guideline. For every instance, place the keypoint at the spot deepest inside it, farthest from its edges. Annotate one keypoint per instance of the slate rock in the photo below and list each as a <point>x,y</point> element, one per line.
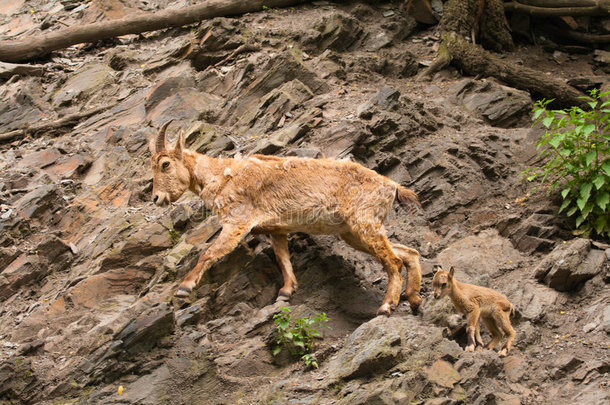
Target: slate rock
<point>571,264</point>
<point>498,105</point>
<point>338,32</point>
<point>144,332</point>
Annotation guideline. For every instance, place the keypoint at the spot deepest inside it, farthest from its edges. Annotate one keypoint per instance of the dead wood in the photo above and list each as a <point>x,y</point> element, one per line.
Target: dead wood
<point>8,70</point>
<point>575,10</point>
<point>38,46</point>
<point>53,126</point>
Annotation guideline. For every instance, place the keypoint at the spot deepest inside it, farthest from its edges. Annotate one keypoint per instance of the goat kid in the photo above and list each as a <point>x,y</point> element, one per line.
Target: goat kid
<point>277,196</point>
<point>478,302</point>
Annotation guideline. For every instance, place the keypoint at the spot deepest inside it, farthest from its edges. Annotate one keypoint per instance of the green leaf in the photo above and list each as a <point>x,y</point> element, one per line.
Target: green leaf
<point>600,224</point>
<point>587,129</point>
<point>579,220</point>
<point>277,350</point>
<point>587,210</point>
<point>590,157</point>
<point>547,121</point>
<point>585,191</point>
<point>565,205</point>
<point>602,200</point>
<point>580,203</point>
<point>606,166</point>
<point>554,142</point>
<point>599,181</point>
<point>537,112</point>
<point>299,343</point>
<point>288,335</point>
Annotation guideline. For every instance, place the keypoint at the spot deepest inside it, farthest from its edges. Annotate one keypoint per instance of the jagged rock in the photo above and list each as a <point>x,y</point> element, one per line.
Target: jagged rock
<point>144,332</point>
<point>70,167</point>
<point>37,202</point>
<point>147,240</point>
<point>442,373</point>
<point>20,109</point>
<point>7,255</point>
<point>40,159</point>
<point>274,106</point>
<point>515,367</point>
<point>484,253</point>
<point>386,98</point>
<point>602,59</point>
<point>338,32</point>
<point>83,83</point>
<point>533,234</point>
<point>177,98</point>
<point>17,379</point>
<point>499,105</point>
<point>290,133</point>
<point>380,344</point>
<point>569,265</point>
<point>21,271</point>
<point>531,300</point>
<point>283,68</point>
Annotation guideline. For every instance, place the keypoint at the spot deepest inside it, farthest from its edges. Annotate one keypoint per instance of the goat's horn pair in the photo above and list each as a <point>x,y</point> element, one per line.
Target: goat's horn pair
<point>160,144</point>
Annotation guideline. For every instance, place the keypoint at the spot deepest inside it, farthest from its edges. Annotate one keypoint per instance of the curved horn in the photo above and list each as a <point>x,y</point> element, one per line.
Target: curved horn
<point>160,144</point>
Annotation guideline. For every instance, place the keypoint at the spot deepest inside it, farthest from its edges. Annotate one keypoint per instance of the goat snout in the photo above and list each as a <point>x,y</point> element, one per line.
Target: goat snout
<point>161,199</point>
<point>437,295</point>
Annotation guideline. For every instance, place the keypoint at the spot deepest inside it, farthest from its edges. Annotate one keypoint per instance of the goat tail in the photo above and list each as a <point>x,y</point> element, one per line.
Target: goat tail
<point>407,198</point>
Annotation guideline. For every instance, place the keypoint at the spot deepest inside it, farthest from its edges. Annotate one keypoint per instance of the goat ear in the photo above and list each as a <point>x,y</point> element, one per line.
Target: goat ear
<point>179,145</point>
<point>451,272</point>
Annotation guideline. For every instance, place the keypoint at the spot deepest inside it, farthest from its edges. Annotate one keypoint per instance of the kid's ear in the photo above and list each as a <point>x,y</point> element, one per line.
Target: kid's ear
<point>451,271</point>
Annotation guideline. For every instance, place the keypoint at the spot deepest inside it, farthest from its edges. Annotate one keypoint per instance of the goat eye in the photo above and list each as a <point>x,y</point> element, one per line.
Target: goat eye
<point>165,165</point>
<point>444,285</point>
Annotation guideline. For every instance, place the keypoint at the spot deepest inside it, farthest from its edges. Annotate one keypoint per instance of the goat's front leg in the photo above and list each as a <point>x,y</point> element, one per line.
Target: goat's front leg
<point>229,238</point>
<point>279,243</point>
<point>471,329</point>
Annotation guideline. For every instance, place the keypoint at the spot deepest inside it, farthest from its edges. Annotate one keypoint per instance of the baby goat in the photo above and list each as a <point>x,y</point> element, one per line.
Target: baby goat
<point>276,196</point>
<point>475,301</point>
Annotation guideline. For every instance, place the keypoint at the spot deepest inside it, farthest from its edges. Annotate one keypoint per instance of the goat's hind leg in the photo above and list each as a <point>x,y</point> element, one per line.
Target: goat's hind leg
<point>371,238</point>
<point>279,243</point>
<point>410,258</point>
<point>504,324</point>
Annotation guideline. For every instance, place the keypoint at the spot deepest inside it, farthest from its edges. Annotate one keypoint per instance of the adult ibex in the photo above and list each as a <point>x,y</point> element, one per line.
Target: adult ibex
<point>276,196</point>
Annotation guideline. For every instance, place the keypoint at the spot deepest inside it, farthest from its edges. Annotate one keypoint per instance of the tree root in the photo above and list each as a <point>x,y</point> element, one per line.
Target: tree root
<point>473,60</point>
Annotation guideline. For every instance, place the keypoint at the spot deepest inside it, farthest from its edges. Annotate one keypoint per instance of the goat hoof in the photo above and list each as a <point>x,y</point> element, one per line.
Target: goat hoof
<point>469,348</point>
<point>383,310</point>
<point>183,292</point>
<point>282,298</point>
<point>503,353</point>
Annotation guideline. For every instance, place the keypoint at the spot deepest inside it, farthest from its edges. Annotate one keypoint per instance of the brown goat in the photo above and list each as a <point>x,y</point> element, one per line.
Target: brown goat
<point>475,301</point>
<point>277,196</point>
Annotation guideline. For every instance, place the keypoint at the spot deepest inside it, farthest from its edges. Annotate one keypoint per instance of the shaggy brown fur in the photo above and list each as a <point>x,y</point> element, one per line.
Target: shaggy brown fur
<point>475,301</point>
<point>277,196</point>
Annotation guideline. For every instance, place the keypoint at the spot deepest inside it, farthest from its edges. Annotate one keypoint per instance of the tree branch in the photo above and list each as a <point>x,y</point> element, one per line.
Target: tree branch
<point>37,46</point>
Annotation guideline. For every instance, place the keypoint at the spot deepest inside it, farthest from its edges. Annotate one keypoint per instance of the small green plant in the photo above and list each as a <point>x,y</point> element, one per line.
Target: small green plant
<point>299,338</point>
<point>576,149</point>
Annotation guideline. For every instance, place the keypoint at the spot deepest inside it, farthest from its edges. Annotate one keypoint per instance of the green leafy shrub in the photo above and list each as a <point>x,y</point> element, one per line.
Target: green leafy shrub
<point>575,148</point>
<point>298,337</point>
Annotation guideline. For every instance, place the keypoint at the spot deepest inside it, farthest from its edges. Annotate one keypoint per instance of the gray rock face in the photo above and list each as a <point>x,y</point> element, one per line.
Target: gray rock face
<point>569,265</point>
<point>499,105</point>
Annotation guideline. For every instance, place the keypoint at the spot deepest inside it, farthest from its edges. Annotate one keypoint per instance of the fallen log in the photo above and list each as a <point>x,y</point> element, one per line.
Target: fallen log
<point>537,11</point>
<point>38,46</point>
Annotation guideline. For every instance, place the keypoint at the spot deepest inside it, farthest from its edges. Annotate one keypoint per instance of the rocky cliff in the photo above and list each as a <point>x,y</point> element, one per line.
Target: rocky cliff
<point>87,262</point>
